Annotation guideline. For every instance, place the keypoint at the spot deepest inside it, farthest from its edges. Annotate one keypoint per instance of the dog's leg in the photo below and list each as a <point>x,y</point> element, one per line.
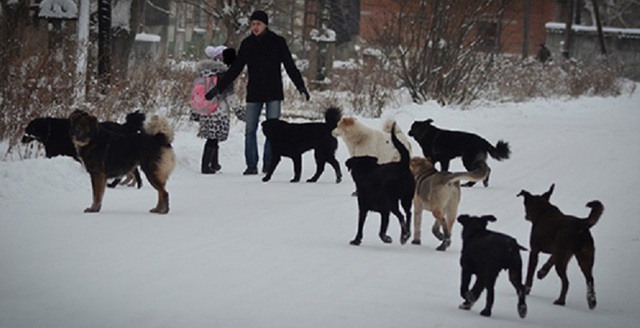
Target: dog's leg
<point>464,289</point>
<point>114,183</point>
<point>404,235</point>
<point>406,205</point>
<point>585,261</point>
<point>485,182</point>
<point>515,277</point>
<point>446,235</point>
<point>297,168</point>
<point>162,207</point>
<point>136,175</point>
<point>98,184</point>
<point>275,159</point>
<point>491,283</point>
<point>562,262</point>
<point>384,225</point>
<point>320,162</point>
<point>336,167</point>
<point>544,270</point>
<point>531,268</point>
<point>362,216</point>
<point>417,222</point>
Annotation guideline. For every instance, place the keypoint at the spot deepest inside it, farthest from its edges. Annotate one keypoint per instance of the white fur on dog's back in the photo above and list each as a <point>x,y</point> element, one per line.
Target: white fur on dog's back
<point>159,124</point>
<point>362,140</point>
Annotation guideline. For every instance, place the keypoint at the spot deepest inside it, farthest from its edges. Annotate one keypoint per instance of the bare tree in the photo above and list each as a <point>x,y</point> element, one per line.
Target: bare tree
<point>441,49</point>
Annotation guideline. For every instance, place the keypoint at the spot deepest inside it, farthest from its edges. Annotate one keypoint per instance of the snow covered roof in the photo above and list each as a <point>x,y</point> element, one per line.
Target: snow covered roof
<point>144,37</point>
<point>62,9</point>
<point>633,33</point>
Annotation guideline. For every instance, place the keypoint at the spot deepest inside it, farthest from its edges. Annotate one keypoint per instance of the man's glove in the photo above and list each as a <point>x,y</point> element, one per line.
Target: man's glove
<point>211,94</point>
<point>305,93</point>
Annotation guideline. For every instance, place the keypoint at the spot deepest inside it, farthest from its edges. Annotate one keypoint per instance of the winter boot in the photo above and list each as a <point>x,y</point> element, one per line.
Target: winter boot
<point>210,150</point>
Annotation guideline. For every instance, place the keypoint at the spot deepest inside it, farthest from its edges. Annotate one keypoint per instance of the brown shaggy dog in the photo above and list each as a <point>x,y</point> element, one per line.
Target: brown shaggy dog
<point>107,155</point>
<point>439,193</point>
<point>563,236</point>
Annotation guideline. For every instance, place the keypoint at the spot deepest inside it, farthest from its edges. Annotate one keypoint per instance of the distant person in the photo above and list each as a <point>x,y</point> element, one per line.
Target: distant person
<point>544,54</point>
<point>263,52</point>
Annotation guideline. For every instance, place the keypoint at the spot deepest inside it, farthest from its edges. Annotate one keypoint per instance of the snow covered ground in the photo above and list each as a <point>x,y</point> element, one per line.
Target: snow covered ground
<point>236,252</point>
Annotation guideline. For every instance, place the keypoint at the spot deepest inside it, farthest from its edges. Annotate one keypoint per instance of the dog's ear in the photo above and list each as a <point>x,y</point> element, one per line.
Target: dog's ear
<point>547,195</point>
<point>463,219</point>
<point>429,121</point>
<point>523,193</point>
<point>349,163</point>
<point>488,218</point>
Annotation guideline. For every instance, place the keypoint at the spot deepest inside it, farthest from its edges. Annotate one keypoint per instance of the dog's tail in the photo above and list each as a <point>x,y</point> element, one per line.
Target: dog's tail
<point>390,125</point>
<point>596,212</point>
<point>405,156</point>
<point>500,151</point>
<point>159,125</point>
<point>478,174</point>
<point>135,121</point>
<point>332,116</point>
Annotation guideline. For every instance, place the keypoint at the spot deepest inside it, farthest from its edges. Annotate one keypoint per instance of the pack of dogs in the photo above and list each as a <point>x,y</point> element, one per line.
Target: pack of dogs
<point>387,178</point>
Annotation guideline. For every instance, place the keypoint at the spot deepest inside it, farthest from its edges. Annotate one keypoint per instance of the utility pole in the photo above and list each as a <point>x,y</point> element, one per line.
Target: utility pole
<point>567,29</point>
<point>603,49</point>
<point>527,28</point>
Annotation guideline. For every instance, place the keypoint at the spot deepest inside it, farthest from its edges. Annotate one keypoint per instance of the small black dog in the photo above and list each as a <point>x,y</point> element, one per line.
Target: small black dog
<point>53,133</point>
<point>444,145</point>
<point>293,139</point>
<point>485,253</point>
<point>380,188</point>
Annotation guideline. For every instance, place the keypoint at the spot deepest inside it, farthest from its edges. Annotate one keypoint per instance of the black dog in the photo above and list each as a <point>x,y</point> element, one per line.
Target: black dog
<point>293,139</point>
<point>380,187</point>
<point>53,134</point>
<point>106,154</point>
<point>563,236</point>
<point>485,253</point>
<point>443,145</point>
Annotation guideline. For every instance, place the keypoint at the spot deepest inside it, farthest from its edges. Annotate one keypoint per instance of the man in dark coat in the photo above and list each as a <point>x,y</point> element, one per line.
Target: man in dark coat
<point>263,52</point>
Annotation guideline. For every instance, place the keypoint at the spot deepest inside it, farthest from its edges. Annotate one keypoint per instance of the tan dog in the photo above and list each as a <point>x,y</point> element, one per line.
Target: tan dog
<point>439,193</point>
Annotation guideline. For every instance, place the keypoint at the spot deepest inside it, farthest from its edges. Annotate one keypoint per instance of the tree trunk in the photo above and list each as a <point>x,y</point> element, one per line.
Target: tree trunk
<point>603,49</point>
<point>104,44</point>
<point>82,51</point>
<point>123,41</point>
<point>567,29</point>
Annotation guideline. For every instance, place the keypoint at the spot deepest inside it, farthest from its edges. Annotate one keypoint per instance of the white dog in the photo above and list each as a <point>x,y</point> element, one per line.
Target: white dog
<point>362,140</point>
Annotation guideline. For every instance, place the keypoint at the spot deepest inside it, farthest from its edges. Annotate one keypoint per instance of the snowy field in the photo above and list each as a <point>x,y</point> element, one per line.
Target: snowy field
<point>237,252</point>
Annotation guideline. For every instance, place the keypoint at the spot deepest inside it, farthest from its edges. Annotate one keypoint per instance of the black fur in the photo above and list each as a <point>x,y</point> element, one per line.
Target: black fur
<point>106,154</point>
<point>485,253</point>
<point>293,139</point>
<point>442,146</point>
<point>380,188</point>
<point>53,133</point>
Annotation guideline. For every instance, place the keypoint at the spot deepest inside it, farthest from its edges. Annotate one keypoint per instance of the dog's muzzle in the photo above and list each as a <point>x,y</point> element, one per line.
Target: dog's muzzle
<point>27,138</point>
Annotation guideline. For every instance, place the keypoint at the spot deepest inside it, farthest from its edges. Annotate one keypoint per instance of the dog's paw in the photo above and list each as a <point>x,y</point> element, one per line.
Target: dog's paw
<point>559,302</point>
<point>485,313</point>
<point>338,179</point>
<point>416,242</point>
<point>465,305</point>
<point>294,180</point>
<point>312,180</point>
<point>92,209</point>
<point>266,178</point>
<point>159,210</point>
<point>522,310</point>
<point>445,244</point>
<point>404,237</point>
<point>386,239</point>
<point>355,242</point>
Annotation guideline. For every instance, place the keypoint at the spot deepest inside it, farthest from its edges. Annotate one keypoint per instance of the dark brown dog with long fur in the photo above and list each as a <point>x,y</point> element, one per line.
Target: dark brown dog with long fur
<point>106,154</point>
<point>563,236</point>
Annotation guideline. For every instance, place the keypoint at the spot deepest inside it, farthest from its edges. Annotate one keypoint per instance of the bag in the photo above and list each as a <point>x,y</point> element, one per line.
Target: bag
<point>200,105</point>
<point>241,113</point>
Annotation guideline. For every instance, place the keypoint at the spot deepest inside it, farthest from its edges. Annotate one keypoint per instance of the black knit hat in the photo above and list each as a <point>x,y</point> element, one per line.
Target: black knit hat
<point>261,16</point>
